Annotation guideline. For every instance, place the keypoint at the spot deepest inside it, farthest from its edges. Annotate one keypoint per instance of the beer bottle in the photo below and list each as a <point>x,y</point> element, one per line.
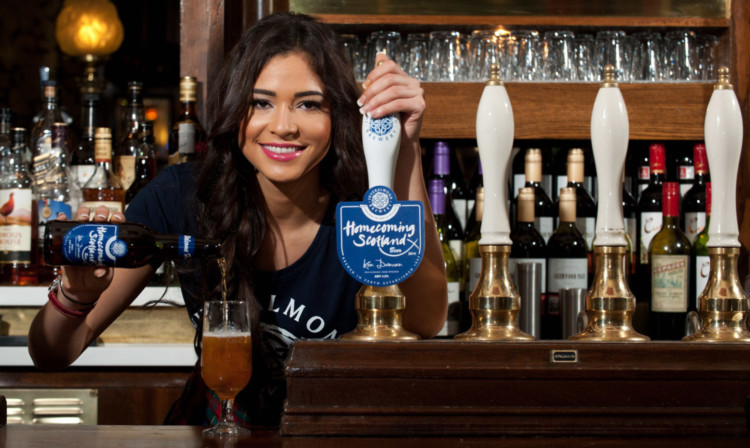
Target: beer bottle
<point>123,245</point>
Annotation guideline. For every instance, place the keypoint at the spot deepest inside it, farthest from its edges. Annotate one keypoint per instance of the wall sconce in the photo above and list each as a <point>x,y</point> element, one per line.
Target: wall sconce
<point>90,29</point>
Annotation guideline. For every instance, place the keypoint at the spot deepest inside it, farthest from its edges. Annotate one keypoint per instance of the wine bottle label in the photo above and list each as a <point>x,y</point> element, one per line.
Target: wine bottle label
<point>186,138</point>
<point>450,328</point>
<point>702,268</point>
<point>545,225</point>
<point>186,246</point>
<point>644,173</point>
<point>82,173</point>
<point>669,281</point>
<point>564,273</point>
<point>587,226</point>
<point>125,170</point>
<point>650,226</point>
<point>695,222</point>
<point>687,172</point>
<point>93,244</point>
<point>47,210</point>
<point>513,269</point>
<point>475,270</point>
<point>15,225</point>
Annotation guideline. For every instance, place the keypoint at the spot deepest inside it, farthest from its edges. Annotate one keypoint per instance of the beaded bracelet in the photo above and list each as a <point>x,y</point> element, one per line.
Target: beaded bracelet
<point>65,311</point>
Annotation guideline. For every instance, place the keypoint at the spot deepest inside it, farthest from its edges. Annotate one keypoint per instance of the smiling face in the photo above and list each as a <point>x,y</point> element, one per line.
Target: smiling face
<point>289,127</point>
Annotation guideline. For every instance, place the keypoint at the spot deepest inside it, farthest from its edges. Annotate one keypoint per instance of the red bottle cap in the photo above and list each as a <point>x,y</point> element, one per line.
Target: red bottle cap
<point>656,158</point>
<point>671,199</point>
<point>708,198</point>
<point>700,162</point>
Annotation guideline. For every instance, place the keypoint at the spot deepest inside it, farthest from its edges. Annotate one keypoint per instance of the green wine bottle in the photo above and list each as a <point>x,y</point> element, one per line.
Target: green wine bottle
<point>669,258</point>
<point>701,264</point>
<point>438,200</point>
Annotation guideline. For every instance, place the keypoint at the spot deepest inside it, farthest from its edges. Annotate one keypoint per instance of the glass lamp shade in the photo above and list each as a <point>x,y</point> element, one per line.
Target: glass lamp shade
<point>88,27</point>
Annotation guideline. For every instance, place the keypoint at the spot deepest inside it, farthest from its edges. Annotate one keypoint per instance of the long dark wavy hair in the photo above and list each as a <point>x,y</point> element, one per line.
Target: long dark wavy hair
<point>232,206</point>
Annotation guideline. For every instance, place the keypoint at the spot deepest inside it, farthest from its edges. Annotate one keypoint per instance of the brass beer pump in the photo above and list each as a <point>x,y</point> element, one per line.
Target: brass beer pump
<point>610,304</point>
<point>494,304</point>
<point>723,304</point>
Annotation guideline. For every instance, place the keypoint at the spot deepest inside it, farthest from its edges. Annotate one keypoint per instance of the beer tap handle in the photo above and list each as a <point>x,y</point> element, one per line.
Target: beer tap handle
<point>495,141</point>
<point>381,138</point>
<point>610,131</point>
<point>723,134</point>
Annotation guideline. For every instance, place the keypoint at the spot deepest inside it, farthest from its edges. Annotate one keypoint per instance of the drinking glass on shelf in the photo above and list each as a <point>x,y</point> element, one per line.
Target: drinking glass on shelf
<point>226,358</point>
<point>447,57</point>
<point>417,55</point>
<point>353,48</point>
<point>648,56</point>
<point>524,47</point>
<point>390,41</point>
<point>584,57</point>
<point>681,55</point>
<point>707,55</point>
<point>483,52</point>
<point>614,48</point>
<point>559,57</point>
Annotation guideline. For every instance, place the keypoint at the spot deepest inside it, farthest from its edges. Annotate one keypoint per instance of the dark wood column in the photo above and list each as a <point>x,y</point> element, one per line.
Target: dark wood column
<point>740,72</point>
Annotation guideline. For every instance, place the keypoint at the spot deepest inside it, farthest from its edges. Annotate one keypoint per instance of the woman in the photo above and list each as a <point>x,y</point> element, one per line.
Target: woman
<point>284,147</point>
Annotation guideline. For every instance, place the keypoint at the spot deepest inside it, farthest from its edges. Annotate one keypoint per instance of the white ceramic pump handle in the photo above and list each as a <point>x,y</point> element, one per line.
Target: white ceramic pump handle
<point>495,141</point>
<point>610,131</point>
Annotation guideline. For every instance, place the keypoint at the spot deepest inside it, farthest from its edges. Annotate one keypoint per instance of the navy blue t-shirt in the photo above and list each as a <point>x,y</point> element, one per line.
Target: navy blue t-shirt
<point>311,299</point>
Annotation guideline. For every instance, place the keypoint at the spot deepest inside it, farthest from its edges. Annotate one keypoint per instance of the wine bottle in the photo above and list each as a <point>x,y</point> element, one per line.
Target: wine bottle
<point>567,263</point>
<point>544,210</point>
<point>528,244</point>
<point>145,162</point>
<point>187,139</point>
<point>442,170</point>
<point>631,229</point>
<point>17,234</point>
<point>684,165</point>
<point>641,166</point>
<point>585,206</point>
<point>126,150</point>
<point>123,245</point>
<point>472,259</point>
<point>669,257</point>
<point>104,188</point>
<point>518,176</point>
<point>700,262</point>
<point>438,201</point>
<point>693,210</point>
<point>649,219</point>
<point>82,160</point>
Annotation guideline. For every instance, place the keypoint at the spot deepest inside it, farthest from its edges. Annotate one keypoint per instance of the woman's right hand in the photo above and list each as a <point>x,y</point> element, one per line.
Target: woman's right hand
<point>86,283</point>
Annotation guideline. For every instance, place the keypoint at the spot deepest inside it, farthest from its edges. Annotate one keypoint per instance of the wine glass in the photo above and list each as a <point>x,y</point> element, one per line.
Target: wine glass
<point>226,358</point>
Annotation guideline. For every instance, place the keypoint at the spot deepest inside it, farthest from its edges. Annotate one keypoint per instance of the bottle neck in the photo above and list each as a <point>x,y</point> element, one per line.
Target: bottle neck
<point>176,247</point>
<point>189,110</point>
<point>657,178</point>
<point>89,120</point>
<point>442,165</point>
<point>567,212</point>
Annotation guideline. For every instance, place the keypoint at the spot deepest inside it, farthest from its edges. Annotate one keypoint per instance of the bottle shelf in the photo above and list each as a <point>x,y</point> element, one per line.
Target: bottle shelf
<point>31,296</point>
<point>562,110</point>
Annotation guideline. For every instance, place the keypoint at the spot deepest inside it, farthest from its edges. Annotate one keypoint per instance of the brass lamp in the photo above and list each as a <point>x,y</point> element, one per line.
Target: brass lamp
<point>91,30</point>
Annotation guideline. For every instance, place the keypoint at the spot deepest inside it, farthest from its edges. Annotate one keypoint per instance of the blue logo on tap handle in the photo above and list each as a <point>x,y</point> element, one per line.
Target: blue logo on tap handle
<point>380,240</point>
<point>381,129</point>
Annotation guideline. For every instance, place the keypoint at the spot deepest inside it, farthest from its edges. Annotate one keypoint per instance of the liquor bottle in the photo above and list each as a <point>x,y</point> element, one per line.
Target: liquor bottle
<point>145,162</point>
<point>187,139</point>
<point>669,257</point>
<point>41,133</point>
<point>684,166</point>
<point>17,234</point>
<point>52,186</point>
<point>472,259</point>
<point>567,263</point>
<point>441,169</point>
<point>438,202</point>
<point>518,176</point>
<point>693,210</point>
<point>544,210</point>
<point>82,162</point>
<point>104,188</point>
<point>585,206</point>
<point>528,244</point>
<point>131,245</point>
<point>129,140</point>
<point>700,262</point>
<point>6,145</point>
<point>649,220</point>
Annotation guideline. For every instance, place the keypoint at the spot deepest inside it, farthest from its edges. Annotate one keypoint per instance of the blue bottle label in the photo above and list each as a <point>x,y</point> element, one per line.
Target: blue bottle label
<point>94,244</point>
<point>380,240</point>
<point>186,246</point>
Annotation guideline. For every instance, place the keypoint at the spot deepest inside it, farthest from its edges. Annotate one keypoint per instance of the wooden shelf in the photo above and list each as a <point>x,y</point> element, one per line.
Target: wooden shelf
<point>661,111</point>
<point>449,388</point>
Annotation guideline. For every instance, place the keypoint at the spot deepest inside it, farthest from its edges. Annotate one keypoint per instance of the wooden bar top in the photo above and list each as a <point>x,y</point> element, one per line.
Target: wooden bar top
<point>63,436</point>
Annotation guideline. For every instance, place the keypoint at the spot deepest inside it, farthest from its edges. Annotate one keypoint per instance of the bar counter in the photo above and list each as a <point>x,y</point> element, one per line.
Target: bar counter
<point>190,436</point>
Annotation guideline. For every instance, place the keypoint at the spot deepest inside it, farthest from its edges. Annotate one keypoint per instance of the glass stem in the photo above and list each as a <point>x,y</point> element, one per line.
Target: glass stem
<point>227,417</point>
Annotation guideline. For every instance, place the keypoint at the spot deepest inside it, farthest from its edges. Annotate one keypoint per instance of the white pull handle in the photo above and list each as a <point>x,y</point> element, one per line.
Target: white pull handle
<point>380,139</point>
<point>723,133</point>
<point>495,141</point>
<point>610,131</point>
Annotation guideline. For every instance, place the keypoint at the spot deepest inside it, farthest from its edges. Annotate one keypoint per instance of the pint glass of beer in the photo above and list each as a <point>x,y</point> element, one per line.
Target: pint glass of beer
<point>226,358</point>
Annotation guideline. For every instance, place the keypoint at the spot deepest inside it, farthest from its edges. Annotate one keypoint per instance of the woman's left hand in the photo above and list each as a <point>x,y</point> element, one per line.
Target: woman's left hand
<point>389,89</point>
